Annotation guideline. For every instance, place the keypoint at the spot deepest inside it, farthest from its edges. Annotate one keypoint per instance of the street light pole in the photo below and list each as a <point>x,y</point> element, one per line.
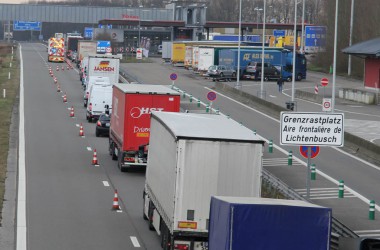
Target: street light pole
<point>139,41</point>
<point>237,85</point>
<point>351,29</point>
<point>334,63</point>
<point>303,27</point>
<point>294,49</point>
<point>262,56</point>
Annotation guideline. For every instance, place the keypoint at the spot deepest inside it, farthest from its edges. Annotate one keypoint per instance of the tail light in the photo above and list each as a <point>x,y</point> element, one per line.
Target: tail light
<point>99,123</point>
<point>129,159</point>
<point>181,246</point>
<point>90,107</point>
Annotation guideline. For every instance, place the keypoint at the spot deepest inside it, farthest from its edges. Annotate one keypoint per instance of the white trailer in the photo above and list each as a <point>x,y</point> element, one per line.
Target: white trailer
<point>167,51</point>
<point>191,158</point>
<point>104,65</point>
<point>206,59</point>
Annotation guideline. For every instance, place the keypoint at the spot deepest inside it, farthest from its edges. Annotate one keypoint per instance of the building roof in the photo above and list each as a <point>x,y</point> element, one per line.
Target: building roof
<point>369,48</point>
<point>205,127</point>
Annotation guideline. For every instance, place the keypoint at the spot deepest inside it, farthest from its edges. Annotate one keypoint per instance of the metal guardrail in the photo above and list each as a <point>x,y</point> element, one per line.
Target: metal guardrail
<point>338,229</point>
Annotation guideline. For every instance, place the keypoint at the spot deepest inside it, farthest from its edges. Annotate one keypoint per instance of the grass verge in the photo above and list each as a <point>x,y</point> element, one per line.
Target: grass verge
<point>8,64</point>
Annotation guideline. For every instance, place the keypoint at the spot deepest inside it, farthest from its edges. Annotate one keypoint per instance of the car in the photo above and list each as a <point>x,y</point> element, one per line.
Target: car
<point>219,72</point>
<point>253,71</point>
<point>103,125</point>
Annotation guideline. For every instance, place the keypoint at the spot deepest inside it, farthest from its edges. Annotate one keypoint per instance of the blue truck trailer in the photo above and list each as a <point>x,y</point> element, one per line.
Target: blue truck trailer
<point>278,57</point>
<point>248,38</point>
<point>241,223</point>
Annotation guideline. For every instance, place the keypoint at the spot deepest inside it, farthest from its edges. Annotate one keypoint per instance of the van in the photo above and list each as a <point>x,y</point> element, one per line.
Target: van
<point>253,71</point>
<point>100,96</point>
<point>99,80</point>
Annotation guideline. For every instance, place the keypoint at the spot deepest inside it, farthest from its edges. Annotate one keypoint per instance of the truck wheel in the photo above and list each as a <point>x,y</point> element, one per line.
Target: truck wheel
<point>113,155</point>
<point>299,77</point>
<point>289,79</point>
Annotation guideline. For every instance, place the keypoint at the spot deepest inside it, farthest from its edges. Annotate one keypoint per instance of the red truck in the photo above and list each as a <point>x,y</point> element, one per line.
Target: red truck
<point>130,120</point>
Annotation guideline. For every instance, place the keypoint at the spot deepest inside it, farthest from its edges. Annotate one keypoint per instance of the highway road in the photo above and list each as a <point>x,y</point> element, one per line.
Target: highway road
<point>69,201</point>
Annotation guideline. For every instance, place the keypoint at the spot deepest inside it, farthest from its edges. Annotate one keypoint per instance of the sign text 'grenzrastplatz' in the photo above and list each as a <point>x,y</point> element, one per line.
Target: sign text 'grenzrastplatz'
<point>317,129</point>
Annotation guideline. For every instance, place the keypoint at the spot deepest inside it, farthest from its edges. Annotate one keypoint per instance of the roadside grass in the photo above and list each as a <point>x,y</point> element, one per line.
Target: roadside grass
<point>132,59</point>
<point>11,87</point>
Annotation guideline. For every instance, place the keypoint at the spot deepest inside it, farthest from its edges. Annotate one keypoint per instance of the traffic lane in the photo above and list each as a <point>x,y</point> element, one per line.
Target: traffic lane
<point>130,186</point>
<point>64,205</point>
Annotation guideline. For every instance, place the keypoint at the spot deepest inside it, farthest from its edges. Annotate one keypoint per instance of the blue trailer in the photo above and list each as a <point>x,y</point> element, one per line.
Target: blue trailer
<point>241,223</point>
<point>279,57</point>
<point>248,38</point>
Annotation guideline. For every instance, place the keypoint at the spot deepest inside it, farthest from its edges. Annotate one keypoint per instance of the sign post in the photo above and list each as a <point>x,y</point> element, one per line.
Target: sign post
<point>211,96</point>
<point>309,152</point>
<point>173,77</point>
<point>324,83</point>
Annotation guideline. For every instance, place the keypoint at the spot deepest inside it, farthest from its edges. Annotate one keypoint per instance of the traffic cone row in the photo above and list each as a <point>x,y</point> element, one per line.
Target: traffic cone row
<point>115,205</point>
<point>72,111</point>
<point>95,158</point>
<point>81,132</point>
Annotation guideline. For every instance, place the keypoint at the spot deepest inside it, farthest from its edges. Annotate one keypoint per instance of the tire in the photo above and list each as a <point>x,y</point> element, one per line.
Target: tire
<point>119,163</point>
<point>89,119</point>
<point>299,77</point>
<point>150,214</point>
<point>144,216</point>
<point>113,155</point>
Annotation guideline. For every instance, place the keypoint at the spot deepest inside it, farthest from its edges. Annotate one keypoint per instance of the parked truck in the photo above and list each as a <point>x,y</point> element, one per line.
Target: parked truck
<point>104,65</point>
<point>167,51</point>
<point>130,120</point>
<point>191,158</point>
<point>178,53</point>
<point>72,43</point>
<point>85,48</point>
<point>56,49</point>
<point>241,223</point>
<point>279,57</point>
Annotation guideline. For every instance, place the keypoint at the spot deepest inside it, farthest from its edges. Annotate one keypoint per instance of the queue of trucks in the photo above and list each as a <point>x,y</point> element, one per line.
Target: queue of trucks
<point>203,171</point>
<point>200,55</point>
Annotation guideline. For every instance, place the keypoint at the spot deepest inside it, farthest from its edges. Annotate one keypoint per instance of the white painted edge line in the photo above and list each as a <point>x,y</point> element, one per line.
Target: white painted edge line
<point>106,184</point>
<point>89,149</point>
<point>135,242</point>
<point>364,199</point>
<point>21,242</point>
<point>367,231</point>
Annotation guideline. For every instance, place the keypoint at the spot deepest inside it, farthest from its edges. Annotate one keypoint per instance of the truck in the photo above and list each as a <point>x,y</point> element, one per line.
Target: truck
<point>85,48</point>
<point>191,158</point>
<point>56,49</point>
<point>130,120</point>
<point>178,54</point>
<point>167,51</point>
<point>104,65</point>
<point>72,43</point>
<point>235,38</point>
<point>278,57</point>
<point>206,59</point>
<point>241,223</point>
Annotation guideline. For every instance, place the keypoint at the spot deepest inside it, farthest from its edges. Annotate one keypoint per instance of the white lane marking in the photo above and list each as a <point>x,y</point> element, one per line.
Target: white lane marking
<point>77,125</point>
<point>89,149</point>
<point>273,96</point>
<point>135,242</point>
<point>119,211</point>
<point>106,184</point>
<point>21,195</point>
<point>319,172</point>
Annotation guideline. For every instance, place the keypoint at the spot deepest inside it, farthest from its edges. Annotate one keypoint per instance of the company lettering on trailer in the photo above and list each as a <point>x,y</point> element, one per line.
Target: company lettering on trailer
<point>141,132</point>
<point>104,67</point>
<point>137,112</point>
<point>250,56</point>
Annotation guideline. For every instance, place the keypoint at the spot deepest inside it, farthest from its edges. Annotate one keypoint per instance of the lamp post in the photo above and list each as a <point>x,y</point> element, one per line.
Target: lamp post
<point>237,85</point>
<point>351,29</point>
<point>257,9</point>
<point>262,56</point>
<point>138,42</point>
<point>334,63</point>
<point>303,26</point>
<point>294,49</point>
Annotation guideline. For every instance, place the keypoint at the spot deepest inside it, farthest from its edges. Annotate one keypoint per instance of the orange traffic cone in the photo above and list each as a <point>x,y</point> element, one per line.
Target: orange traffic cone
<point>67,67</point>
<point>95,158</point>
<point>58,88</point>
<point>72,112</point>
<point>115,205</point>
<point>64,98</point>
<point>57,68</point>
<point>63,68</point>
<point>81,132</point>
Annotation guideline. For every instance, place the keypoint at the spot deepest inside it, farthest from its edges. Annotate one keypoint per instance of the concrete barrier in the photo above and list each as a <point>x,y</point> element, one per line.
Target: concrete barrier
<point>358,95</point>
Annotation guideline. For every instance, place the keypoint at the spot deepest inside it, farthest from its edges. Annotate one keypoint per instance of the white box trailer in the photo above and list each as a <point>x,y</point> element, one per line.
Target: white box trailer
<point>206,59</point>
<point>191,158</point>
<point>104,65</point>
<point>167,51</point>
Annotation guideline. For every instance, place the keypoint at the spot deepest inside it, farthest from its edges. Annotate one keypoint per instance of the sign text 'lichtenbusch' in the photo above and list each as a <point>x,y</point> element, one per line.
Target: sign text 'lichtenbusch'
<point>317,129</point>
